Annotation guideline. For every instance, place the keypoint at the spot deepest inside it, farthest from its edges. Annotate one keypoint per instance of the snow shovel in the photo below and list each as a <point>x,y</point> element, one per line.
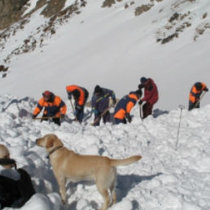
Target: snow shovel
<point>102,114</point>
<point>45,118</point>
<point>201,97</point>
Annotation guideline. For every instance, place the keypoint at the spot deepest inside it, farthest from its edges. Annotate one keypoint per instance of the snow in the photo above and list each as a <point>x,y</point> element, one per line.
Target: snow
<point>114,48</point>
<point>167,177</point>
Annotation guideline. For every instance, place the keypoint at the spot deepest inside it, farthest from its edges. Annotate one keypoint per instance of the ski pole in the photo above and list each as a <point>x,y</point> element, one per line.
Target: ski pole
<point>177,140</point>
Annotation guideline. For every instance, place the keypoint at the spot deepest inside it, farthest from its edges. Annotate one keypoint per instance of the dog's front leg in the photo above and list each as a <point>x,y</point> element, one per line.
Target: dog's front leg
<point>62,186</point>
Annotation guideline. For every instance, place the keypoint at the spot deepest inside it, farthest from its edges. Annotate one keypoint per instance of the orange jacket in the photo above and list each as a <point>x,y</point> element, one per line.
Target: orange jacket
<point>195,94</point>
<point>54,108</point>
<point>81,99</point>
<point>125,105</point>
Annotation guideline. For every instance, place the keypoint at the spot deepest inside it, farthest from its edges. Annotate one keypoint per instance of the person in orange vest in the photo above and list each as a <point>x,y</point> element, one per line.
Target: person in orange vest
<point>124,106</point>
<point>53,106</point>
<point>80,95</point>
<point>195,93</point>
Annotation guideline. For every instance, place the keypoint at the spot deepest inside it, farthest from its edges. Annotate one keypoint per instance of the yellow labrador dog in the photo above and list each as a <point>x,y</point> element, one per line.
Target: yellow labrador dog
<point>75,167</point>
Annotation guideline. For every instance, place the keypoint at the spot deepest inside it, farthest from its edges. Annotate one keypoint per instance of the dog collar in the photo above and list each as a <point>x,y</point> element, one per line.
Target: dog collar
<point>53,150</point>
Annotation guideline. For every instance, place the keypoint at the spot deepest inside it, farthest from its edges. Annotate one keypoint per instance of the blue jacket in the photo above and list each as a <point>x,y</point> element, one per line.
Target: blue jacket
<point>101,102</point>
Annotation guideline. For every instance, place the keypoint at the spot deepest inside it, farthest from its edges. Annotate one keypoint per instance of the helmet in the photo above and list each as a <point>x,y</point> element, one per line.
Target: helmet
<point>47,94</point>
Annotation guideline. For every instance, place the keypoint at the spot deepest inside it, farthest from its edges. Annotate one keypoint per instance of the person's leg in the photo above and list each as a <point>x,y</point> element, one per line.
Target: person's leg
<point>118,121</point>
<point>147,109</point>
<point>106,117</point>
<point>57,121</point>
<point>80,114</point>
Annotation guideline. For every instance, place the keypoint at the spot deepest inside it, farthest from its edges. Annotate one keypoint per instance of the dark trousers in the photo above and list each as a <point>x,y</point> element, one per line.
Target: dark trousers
<point>147,109</point>
<point>106,118</point>
<point>118,121</point>
<point>79,114</point>
<point>193,105</point>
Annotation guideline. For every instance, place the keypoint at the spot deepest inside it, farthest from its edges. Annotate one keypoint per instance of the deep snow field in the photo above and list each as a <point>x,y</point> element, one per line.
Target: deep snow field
<point>166,178</point>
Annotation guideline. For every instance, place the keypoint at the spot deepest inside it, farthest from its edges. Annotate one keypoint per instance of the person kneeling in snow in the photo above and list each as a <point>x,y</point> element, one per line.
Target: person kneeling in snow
<point>15,185</point>
<point>124,106</point>
<point>54,107</point>
<point>195,93</point>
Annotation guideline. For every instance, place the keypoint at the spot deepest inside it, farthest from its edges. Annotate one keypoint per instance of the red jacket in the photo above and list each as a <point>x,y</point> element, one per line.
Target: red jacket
<point>150,92</point>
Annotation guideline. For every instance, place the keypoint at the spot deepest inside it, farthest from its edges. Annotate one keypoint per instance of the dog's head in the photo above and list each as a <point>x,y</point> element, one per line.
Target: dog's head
<point>5,160</point>
<point>4,152</point>
<point>49,141</point>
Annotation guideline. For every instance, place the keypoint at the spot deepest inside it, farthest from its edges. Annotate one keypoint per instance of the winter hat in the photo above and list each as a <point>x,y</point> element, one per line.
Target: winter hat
<point>98,89</point>
<point>143,80</point>
<point>198,85</point>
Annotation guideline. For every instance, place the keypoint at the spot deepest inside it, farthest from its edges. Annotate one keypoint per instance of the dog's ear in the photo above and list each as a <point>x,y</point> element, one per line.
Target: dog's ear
<point>49,143</point>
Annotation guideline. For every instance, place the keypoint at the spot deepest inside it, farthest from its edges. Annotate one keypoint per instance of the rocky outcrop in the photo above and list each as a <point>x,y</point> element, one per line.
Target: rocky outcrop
<point>10,11</point>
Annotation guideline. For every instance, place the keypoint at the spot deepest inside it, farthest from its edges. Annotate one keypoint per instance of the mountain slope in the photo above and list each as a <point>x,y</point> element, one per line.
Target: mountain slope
<point>112,46</point>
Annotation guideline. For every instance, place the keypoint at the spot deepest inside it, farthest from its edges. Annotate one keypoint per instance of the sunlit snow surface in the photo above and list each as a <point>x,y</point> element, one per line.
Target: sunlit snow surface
<point>167,177</point>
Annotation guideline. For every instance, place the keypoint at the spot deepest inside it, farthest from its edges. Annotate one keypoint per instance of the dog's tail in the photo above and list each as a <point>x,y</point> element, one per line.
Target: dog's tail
<point>126,161</point>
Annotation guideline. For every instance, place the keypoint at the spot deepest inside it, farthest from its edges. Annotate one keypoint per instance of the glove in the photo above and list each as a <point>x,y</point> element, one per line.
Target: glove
<point>62,116</point>
<point>128,117</point>
<point>206,89</point>
<point>140,86</point>
<point>34,116</point>
<point>140,102</point>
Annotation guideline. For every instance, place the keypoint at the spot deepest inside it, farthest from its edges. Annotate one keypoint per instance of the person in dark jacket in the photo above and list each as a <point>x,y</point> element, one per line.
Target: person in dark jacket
<point>124,106</point>
<point>100,104</point>
<point>195,93</point>
<point>80,95</point>
<point>14,191</point>
<point>53,106</point>
<point>150,95</point>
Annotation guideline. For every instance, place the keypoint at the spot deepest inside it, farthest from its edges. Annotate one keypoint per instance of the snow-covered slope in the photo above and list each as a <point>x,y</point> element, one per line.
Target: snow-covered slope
<point>111,46</point>
<point>167,177</point>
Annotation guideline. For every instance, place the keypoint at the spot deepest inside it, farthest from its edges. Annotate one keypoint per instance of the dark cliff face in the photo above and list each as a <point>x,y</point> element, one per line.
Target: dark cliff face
<point>10,11</point>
